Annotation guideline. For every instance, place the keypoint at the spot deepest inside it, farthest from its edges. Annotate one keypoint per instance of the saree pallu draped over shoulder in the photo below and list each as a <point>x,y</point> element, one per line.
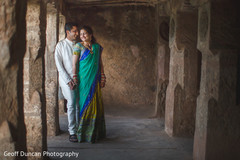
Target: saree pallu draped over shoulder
<point>92,122</point>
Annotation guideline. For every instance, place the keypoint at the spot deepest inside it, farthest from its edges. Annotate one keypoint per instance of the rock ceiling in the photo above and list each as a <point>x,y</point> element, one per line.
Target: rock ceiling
<point>88,3</point>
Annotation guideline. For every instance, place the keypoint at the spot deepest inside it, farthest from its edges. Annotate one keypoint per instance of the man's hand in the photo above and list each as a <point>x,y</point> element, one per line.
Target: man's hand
<point>75,81</point>
<point>72,85</point>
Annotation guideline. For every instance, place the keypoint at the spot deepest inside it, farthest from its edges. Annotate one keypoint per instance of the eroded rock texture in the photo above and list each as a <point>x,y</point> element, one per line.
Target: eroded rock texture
<point>34,94</point>
<point>12,44</point>
<point>217,117</point>
<point>51,81</point>
<point>184,75</point>
<point>163,58</point>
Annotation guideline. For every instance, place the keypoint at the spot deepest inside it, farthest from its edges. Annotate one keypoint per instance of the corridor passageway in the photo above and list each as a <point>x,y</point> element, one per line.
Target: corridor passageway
<point>173,78</point>
<point>128,139</point>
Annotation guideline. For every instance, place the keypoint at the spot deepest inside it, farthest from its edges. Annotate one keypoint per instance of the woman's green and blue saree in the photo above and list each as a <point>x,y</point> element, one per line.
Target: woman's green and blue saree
<point>92,123</point>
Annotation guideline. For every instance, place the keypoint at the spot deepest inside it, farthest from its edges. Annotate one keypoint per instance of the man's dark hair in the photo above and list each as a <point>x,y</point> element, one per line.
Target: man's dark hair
<point>69,26</point>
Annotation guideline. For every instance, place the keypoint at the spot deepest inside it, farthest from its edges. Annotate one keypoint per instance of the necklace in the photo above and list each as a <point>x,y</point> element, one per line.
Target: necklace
<point>88,47</point>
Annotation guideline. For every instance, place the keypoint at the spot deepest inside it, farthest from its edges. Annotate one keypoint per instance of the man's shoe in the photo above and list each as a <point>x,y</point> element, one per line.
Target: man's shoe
<point>73,138</point>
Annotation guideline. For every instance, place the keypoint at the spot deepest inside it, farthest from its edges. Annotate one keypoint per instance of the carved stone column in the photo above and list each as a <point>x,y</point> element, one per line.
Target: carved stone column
<point>51,87</point>
<point>34,95</point>
<point>13,47</point>
<point>184,73</point>
<point>62,21</point>
<point>163,58</point>
<point>218,112</point>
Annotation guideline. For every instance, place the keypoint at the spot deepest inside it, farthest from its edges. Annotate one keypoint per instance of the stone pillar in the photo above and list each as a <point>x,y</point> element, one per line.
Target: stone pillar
<point>62,21</point>
<point>51,87</point>
<point>13,47</point>
<point>218,113</point>
<point>184,82</point>
<point>163,58</point>
<point>34,95</point>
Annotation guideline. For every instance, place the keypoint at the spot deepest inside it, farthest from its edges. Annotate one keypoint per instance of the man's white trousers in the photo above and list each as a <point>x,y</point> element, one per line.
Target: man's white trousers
<point>72,107</point>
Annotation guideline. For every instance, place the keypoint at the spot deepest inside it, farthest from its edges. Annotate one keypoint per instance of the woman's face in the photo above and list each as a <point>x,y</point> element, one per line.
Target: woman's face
<point>85,36</point>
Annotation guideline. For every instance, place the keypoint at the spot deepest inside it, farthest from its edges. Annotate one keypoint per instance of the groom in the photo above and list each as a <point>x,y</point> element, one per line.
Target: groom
<point>63,60</point>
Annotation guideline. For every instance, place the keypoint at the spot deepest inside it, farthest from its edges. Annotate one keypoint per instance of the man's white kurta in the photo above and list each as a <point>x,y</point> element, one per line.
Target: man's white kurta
<point>63,60</point>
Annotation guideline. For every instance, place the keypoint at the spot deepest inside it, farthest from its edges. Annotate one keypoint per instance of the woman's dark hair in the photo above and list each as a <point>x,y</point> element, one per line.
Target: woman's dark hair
<point>69,26</point>
<point>89,31</point>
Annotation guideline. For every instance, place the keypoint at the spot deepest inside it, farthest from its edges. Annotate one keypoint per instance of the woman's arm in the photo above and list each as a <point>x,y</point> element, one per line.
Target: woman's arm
<point>76,54</point>
<point>103,77</point>
<point>101,64</point>
<point>74,68</point>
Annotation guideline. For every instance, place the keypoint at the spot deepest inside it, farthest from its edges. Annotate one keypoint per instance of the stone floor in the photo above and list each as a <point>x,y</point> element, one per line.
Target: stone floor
<point>127,139</point>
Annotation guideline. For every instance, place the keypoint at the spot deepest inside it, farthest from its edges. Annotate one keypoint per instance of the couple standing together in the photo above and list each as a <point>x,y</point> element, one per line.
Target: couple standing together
<point>81,77</point>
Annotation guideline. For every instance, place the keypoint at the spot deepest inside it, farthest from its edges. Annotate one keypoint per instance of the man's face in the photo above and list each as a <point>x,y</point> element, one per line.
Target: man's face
<point>72,35</point>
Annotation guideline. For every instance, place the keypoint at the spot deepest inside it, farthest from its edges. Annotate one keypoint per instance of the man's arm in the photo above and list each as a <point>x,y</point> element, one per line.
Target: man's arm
<point>59,63</point>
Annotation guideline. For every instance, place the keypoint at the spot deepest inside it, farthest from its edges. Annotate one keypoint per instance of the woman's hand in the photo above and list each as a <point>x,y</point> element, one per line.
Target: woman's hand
<point>75,80</point>
<point>102,84</point>
<point>71,85</point>
<point>103,80</point>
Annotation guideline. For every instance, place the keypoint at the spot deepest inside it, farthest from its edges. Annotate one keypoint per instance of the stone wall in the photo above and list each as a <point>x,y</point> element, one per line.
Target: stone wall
<point>12,44</point>
<point>217,117</point>
<point>128,36</point>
